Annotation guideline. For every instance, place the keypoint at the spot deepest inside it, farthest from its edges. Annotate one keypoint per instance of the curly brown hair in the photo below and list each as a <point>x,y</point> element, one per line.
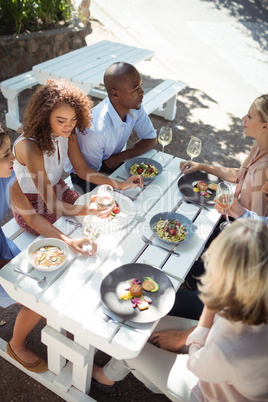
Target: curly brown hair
<point>3,133</point>
<point>44,101</point>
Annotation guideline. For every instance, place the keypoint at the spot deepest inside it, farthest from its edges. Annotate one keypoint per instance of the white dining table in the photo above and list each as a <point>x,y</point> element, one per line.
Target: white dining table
<point>70,299</point>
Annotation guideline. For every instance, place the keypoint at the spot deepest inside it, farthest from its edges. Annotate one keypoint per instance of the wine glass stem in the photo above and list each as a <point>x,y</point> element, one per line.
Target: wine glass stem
<point>227,218</point>
<point>163,146</point>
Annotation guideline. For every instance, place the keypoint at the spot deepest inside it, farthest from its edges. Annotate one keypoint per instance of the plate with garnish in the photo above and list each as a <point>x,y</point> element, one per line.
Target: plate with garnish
<point>199,187</point>
<point>153,293</point>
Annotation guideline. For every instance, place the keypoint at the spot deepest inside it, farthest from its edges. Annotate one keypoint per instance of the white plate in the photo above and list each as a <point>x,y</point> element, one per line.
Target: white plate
<point>47,242</point>
<point>125,217</point>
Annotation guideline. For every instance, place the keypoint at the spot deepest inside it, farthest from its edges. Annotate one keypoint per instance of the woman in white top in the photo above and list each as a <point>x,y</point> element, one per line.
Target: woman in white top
<point>228,355</point>
<point>48,135</point>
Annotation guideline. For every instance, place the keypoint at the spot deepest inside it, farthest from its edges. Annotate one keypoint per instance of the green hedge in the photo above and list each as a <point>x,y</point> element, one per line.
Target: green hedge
<point>18,16</point>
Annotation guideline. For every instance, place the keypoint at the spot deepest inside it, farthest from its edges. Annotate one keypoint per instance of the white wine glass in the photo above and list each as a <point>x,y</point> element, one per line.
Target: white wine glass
<point>224,198</point>
<point>91,231</point>
<point>164,137</point>
<point>90,228</point>
<point>194,147</point>
<point>105,197</point>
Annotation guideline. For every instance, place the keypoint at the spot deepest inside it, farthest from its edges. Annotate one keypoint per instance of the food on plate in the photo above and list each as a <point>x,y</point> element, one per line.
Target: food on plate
<point>212,186</point>
<point>135,292</point>
<point>114,212</point>
<point>203,188</point>
<point>143,169</point>
<point>48,256</point>
<point>150,285</point>
<point>170,230</point>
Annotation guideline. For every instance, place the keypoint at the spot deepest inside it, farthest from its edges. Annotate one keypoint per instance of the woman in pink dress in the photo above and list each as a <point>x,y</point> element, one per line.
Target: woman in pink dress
<point>250,178</point>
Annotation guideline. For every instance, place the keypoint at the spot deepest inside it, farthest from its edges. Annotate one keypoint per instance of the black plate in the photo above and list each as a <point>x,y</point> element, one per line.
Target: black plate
<point>186,222</point>
<point>113,286</point>
<point>186,188</point>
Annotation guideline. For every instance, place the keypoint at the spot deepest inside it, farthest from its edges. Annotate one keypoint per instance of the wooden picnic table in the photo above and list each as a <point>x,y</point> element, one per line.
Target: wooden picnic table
<point>70,299</point>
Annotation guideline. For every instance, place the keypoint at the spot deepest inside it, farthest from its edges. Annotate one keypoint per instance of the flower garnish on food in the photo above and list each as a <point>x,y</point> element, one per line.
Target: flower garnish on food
<point>48,256</point>
<point>203,188</point>
<point>135,292</point>
<point>143,169</point>
<point>114,212</point>
<point>170,230</point>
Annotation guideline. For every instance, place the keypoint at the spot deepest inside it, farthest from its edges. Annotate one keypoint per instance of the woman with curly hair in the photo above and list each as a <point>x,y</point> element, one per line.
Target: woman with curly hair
<point>227,357</point>
<point>47,136</point>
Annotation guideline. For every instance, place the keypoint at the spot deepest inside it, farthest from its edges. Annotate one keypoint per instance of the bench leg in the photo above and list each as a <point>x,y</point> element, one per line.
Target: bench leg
<point>168,110</point>
<point>13,115</point>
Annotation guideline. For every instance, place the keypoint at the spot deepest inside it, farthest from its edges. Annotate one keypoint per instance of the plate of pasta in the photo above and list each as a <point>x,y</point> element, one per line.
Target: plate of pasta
<point>172,228</point>
<point>145,167</point>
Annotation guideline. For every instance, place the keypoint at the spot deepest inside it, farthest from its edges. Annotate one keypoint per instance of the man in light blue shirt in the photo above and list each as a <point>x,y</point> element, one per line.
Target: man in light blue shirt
<point>114,119</point>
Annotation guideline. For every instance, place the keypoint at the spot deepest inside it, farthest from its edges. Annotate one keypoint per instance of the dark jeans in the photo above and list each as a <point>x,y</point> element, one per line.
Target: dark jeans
<point>187,305</point>
<point>80,185</point>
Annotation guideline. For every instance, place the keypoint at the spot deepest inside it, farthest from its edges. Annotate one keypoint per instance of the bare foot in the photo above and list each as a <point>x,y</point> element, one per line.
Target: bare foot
<point>98,375</point>
<point>25,354</point>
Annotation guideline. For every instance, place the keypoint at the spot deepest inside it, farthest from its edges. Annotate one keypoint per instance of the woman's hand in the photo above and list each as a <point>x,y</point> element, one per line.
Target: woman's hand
<point>132,181</point>
<point>93,209</point>
<point>235,210</point>
<point>82,246</point>
<point>189,167</point>
<point>171,340</point>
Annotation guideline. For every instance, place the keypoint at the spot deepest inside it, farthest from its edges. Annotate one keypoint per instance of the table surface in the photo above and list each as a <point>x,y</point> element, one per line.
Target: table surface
<point>86,66</point>
<point>70,298</point>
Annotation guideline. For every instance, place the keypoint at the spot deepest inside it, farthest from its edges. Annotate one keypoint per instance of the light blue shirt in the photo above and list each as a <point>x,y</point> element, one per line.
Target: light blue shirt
<point>252,215</point>
<point>8,249</point>
<point>108,134</point>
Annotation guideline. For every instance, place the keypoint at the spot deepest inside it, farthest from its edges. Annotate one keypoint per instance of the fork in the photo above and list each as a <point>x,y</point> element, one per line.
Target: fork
<point>111,320</point>
<point>165,272</point>
<point>149,242</point>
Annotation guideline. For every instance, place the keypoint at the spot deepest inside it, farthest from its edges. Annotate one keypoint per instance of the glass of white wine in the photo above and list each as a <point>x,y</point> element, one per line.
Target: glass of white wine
<point>105,197</point>
<point>224,198</point>
<point>91,231</point>
<point>164,137</point>
<point>194,147</point>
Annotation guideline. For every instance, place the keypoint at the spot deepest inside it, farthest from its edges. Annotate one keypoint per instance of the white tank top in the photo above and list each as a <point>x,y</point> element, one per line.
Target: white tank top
<point>53,166</point>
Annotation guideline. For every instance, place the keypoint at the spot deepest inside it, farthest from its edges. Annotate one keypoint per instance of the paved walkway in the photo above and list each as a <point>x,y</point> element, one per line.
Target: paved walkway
<point>202,112</point>
<point>216,46</point>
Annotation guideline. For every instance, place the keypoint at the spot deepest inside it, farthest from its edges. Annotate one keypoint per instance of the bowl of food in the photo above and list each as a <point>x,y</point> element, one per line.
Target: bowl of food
<point>148,168</point>
<point>172,228</point>
<point>48,254</point>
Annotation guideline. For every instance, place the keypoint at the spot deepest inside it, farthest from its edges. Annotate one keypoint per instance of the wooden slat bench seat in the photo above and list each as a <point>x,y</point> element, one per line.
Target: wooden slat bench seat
<point>11,89</point>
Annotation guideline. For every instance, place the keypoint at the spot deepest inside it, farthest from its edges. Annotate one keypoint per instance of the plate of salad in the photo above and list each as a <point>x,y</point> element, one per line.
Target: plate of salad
<point>172,228</point>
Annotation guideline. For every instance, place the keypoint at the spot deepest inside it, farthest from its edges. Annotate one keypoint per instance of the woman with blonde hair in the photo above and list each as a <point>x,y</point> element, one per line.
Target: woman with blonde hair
<point>227,357</point>
<point>250,178</point>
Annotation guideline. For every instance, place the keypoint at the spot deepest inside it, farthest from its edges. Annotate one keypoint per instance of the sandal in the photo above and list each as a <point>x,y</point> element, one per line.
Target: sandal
<point>38,367</point>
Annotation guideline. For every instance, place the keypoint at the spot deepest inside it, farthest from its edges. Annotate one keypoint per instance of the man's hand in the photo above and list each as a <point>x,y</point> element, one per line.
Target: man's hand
<point>171,340</point>
<point>113,161</point>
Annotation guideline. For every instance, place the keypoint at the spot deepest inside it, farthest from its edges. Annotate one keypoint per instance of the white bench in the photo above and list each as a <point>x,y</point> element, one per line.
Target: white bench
<point>160,100</point>
<point>11,89</point>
